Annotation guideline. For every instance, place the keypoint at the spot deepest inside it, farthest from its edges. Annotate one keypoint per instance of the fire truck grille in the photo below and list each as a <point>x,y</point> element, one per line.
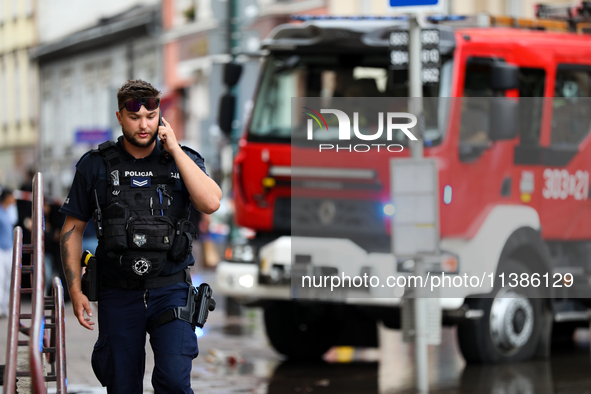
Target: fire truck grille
<point>329,218</point>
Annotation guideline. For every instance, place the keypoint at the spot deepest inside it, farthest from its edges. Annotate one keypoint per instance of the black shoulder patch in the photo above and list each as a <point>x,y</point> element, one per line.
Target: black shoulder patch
<point>190,150</point>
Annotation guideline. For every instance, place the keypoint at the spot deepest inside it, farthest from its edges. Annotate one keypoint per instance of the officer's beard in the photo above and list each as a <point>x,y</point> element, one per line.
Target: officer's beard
<point>132,139</point>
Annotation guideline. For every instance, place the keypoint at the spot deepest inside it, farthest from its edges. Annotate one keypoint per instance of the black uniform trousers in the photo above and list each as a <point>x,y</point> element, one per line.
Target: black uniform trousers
<point>118,359</point>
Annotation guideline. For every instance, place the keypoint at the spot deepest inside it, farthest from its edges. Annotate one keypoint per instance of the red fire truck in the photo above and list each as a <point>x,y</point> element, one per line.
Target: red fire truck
<point>514,198</point>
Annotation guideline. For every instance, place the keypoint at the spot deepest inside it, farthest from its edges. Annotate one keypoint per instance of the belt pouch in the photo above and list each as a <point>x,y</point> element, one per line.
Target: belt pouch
<point>142,264</point>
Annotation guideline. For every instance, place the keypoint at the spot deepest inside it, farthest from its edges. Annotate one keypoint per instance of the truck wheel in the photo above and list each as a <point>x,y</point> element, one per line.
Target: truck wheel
<point>511,327</point>
<point>301,331</point>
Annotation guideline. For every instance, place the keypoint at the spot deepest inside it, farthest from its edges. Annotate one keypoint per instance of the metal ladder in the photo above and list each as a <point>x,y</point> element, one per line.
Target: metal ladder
<point>46,332</point>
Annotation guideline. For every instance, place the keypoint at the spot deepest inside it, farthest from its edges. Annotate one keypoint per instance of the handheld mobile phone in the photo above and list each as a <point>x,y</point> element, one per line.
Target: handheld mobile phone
<point>160,123</point>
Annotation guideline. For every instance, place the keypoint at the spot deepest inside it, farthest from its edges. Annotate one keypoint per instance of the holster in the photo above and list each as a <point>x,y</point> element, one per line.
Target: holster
<point>90,279</point>
<point>199,303</point>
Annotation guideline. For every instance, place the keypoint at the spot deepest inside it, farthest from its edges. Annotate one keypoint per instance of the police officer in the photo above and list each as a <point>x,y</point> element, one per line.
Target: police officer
<point>138,191</point>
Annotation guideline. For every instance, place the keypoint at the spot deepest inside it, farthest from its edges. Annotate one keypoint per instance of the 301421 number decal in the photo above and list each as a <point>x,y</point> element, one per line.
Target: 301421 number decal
<point>560,184</point>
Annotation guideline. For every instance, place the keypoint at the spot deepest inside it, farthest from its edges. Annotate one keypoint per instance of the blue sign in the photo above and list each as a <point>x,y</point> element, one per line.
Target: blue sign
<point>92,136</point>
<point>413,3</point>
<point>418,6</point>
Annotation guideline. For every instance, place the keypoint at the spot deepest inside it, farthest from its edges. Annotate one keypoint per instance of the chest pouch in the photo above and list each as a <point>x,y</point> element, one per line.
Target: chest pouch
<point>115,220</point>
<point>150,233</point>
<point>185,234</point>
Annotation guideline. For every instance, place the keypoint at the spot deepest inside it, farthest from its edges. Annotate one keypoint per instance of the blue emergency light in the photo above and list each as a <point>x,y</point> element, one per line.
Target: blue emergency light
<point>349,18</point>
<point>445,18</point>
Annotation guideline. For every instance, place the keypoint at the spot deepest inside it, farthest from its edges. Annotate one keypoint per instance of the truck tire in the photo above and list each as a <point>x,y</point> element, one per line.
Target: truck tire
<point>511,326</point>
<point>301,331</point>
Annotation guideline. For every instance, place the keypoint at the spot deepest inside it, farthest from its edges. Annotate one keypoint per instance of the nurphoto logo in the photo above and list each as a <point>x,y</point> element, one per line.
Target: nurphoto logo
<point>345,130</point>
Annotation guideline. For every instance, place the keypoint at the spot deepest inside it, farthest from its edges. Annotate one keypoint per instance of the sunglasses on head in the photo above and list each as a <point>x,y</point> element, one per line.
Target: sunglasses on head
<point>134,105</point>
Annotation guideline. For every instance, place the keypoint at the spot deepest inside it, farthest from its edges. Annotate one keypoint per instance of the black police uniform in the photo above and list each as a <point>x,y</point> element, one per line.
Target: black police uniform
<point>127,304</point>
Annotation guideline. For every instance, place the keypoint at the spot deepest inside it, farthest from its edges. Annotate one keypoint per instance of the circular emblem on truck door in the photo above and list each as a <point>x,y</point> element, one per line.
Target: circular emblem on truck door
<point>326,212</point>
<point>141,266</point>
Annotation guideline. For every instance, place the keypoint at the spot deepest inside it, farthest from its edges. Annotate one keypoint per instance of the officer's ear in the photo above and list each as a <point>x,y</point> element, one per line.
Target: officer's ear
<point>118,117</point>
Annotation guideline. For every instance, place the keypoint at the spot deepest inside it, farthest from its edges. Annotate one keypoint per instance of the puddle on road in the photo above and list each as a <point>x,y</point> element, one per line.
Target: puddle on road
<point>359,370</point>
<point>322,377</point>
<point>241,365</point>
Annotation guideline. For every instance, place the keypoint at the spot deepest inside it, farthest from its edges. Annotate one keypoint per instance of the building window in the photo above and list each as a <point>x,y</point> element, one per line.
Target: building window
<point>185,12</point>
<point>3,88</point>
<point>32,81</point>
<point>147,64</point>
<point>28,8</point>
<point>514,8</point>
<point>204,11</point>
<point>17,89</point>
<point>105,74</point>
<point>46,87</point>
<point>66,82</point>
<point>89,77</point>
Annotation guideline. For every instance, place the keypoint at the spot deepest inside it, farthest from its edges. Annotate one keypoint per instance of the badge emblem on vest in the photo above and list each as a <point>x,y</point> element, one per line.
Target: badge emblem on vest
<point>139,240</point>
<point>115,178</point>
<point>141,266</point>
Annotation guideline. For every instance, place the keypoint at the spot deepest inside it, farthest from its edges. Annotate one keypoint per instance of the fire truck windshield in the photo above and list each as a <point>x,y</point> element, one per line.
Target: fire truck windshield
<point>336,76</point>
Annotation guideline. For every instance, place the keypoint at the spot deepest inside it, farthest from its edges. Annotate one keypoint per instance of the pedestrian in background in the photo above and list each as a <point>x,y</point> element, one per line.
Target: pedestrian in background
<point>8,218</point>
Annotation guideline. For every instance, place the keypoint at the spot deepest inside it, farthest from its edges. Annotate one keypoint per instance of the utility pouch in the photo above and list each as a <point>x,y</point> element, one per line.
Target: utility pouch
<point>145,264</point>
<point>90,284</point>
<point>114,223</point>
<point>150,233</point>
<point>182,247</point>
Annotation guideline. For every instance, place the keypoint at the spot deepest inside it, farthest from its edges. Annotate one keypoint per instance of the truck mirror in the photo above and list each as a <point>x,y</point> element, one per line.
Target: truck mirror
<point>288,64</point>
<point>232,73</point>
<point>504,76</point>
<point>503,118</point>
<point>226,114</point>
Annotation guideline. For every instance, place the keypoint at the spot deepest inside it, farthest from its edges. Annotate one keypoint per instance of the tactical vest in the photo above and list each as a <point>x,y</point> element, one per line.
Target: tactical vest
<point>140,227</point>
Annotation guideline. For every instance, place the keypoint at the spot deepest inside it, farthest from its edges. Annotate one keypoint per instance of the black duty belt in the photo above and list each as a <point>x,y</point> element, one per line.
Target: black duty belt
<point>148,283</point>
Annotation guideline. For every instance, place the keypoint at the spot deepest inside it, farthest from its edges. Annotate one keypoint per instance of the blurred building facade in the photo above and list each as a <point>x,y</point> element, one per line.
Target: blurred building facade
<point>198,40</point>
<point>87,50</point>
<point>18,84</point>
<point>79,77</point>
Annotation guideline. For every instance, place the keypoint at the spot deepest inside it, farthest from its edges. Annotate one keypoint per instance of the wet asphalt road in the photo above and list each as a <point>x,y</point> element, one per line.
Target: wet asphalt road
<point>235,357</point>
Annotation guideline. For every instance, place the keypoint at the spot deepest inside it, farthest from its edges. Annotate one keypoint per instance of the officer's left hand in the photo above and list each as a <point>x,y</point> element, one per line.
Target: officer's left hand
<point>166,135</point>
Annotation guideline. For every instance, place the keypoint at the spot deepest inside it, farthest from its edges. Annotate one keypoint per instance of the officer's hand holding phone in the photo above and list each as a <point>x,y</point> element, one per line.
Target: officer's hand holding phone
<point>166,135</point>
